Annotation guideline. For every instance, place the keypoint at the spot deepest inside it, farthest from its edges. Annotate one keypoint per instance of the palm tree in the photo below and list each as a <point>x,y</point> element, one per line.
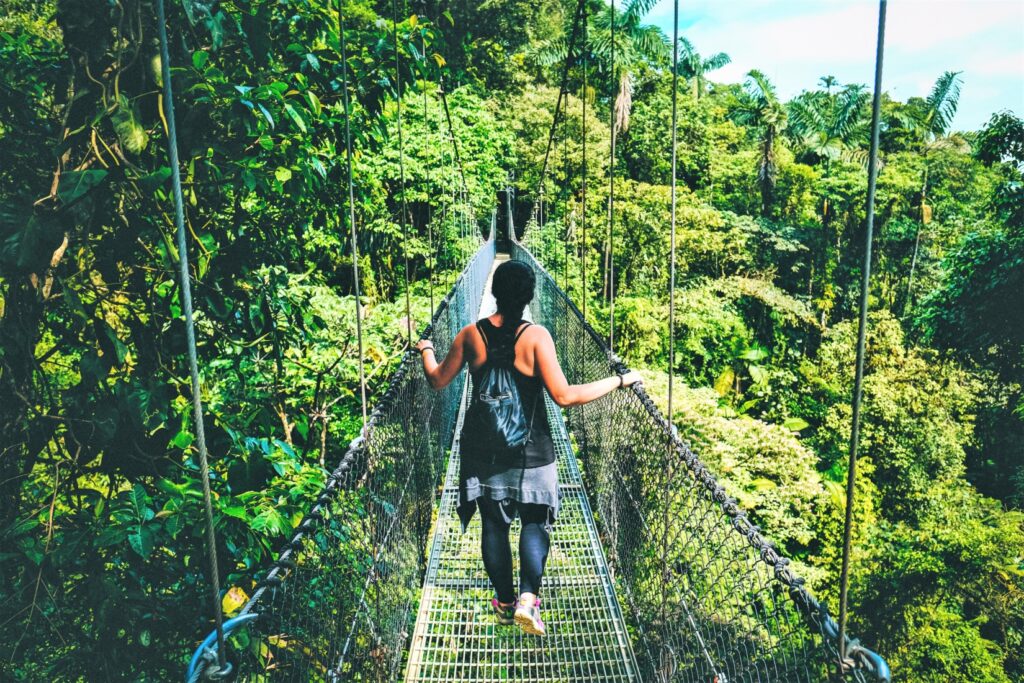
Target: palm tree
<point>761,109</point>
<point>829,126</point>
<point>933,122</point>
<point>826,126</point>
<point>694,67</point>
<point>635,45</point>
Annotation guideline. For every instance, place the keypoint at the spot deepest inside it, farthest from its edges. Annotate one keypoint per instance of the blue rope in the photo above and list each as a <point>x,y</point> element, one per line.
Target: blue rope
<point>208,643</point>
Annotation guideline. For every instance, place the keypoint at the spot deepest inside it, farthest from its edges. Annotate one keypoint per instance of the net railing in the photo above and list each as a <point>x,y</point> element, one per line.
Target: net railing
<point>338,602</point>
<point>707,596</point>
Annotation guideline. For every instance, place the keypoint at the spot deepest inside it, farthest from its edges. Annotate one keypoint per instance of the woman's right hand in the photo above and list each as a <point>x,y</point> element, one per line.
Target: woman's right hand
<point>630,378</point>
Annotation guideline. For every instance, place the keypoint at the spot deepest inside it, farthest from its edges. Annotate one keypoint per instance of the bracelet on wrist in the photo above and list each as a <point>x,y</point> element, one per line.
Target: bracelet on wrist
<point>622,381</point>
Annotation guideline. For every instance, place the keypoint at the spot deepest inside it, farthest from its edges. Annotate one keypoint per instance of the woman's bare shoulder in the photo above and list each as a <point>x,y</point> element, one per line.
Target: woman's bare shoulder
<point>537,333</point>
<point>467,332</point>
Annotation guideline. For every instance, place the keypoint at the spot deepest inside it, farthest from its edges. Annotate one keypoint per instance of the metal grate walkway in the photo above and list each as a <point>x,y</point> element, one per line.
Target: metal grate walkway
<point>456,637</point>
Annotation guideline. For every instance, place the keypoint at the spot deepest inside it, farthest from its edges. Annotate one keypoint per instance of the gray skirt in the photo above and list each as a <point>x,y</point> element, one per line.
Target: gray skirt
<point>535,485</point>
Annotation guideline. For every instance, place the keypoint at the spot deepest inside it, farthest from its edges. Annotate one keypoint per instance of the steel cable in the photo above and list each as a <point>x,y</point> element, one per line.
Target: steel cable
<point>356,285</point>
<point>609,261</point>
<point>404,220</point>
<point>861,336</point>
<point>190,331</point>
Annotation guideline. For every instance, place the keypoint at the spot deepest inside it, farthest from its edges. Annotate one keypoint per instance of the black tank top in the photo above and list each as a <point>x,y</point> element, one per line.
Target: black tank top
<point>540,449</point>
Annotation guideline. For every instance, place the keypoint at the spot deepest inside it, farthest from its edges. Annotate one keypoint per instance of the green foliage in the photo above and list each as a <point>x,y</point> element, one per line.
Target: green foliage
<point>944,595</point>
<point>917,415</point>
<point>1001,140</point>
<point>766,467</point>
<point>100,510</point>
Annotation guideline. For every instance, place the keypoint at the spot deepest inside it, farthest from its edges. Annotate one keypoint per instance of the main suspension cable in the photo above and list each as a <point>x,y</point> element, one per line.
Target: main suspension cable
<point>190,333</point>
<point>569,58</point>
<point>430,213</point>
<point>462,193</point>
<point>565,207</point>
<point>352,208</point>
<point>609,262</point>
<point>401,173</point>
<point>672,238</point>
<point>451,132</point>
<point>862,326</point>
<point>583,200</point>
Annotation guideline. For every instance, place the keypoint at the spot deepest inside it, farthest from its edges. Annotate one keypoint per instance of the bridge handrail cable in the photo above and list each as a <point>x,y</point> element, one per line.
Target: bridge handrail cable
<point>868,665</point>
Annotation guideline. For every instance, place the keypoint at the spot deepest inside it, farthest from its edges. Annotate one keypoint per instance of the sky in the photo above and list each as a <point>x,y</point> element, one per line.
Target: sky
<point>796,42</point>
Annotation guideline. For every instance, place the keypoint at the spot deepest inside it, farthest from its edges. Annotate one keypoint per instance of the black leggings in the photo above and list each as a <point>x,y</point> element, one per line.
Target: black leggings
<point>534,543</point>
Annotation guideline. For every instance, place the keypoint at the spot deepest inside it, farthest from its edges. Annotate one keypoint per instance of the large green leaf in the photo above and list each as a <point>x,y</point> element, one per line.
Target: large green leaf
<point>74,184</point>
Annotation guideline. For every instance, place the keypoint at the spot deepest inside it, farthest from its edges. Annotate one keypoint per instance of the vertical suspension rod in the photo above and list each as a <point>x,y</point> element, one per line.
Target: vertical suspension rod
<point>609,254</point>
<point>430,213</point>
<point>569,58</point>
<point>583,199</point>
<point>352,208</point>
<point>401,173</point>
<point>858,381</point>
<point>451,132</point>
<point>190,332</point>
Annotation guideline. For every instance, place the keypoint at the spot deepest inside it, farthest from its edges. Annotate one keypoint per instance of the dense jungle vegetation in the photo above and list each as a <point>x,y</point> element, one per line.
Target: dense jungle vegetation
<point>103,572</point>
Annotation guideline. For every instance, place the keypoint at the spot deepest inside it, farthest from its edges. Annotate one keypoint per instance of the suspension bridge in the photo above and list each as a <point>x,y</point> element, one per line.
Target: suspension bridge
<point>656,573</point>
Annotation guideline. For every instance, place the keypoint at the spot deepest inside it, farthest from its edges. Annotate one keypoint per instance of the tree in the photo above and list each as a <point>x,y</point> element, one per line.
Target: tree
<point>977,314</point>
<point>761,109</point>
<point>1002,139</point>
<point>635,45</point>
<point>694,67</point>
<point>827,126</point>
<point>933,122</point>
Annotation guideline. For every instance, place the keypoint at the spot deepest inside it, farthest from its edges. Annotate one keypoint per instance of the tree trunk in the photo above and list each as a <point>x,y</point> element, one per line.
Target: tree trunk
<point>767,181</point>
<point>917,246</point>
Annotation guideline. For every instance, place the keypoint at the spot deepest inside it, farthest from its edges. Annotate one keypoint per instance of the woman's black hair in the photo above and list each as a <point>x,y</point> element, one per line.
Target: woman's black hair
<point>513,285</point>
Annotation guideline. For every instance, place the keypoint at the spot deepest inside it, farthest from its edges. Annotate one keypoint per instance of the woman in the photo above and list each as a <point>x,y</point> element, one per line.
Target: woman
<point>531,487</point>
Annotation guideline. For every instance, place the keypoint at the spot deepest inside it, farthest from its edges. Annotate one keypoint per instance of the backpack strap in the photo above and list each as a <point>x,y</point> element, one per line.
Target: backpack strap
<point>520,332</point>
<point>483,335</point>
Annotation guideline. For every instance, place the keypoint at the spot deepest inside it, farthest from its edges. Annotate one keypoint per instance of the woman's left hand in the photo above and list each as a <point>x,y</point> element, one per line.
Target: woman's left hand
<point>424,344</point>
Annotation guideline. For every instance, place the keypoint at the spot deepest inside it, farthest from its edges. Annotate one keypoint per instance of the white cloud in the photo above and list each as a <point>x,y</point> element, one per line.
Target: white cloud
<point>797,41</point>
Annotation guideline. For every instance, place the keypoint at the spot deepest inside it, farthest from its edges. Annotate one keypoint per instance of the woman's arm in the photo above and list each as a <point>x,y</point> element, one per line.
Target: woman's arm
<point>565,394</point>
<point>440,375</point>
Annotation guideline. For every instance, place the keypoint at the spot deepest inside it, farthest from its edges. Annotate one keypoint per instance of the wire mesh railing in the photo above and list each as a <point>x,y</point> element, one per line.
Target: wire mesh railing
<point>707,595</point>
<point>338,601</point>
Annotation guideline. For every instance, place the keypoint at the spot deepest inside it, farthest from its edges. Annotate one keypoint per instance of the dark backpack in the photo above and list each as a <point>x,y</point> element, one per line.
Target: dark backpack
<point>496,423</point>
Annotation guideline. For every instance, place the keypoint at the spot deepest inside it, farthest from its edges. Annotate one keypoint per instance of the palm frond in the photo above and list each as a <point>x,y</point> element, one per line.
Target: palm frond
<point>689,60</point>
<point>953,142</point>
<point>806,115</point>
<point>850,110</point>
<point>549,52</point>
<point>909,120</point>
<point>651,44</point>
<point>639,8</point>
<point>716,61</point>
<point>600,44</point>
<point>855,156</point>
<point>759,87</point>
<point>602,21</point>
<point>686,48</point>
<point>943,102</point>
